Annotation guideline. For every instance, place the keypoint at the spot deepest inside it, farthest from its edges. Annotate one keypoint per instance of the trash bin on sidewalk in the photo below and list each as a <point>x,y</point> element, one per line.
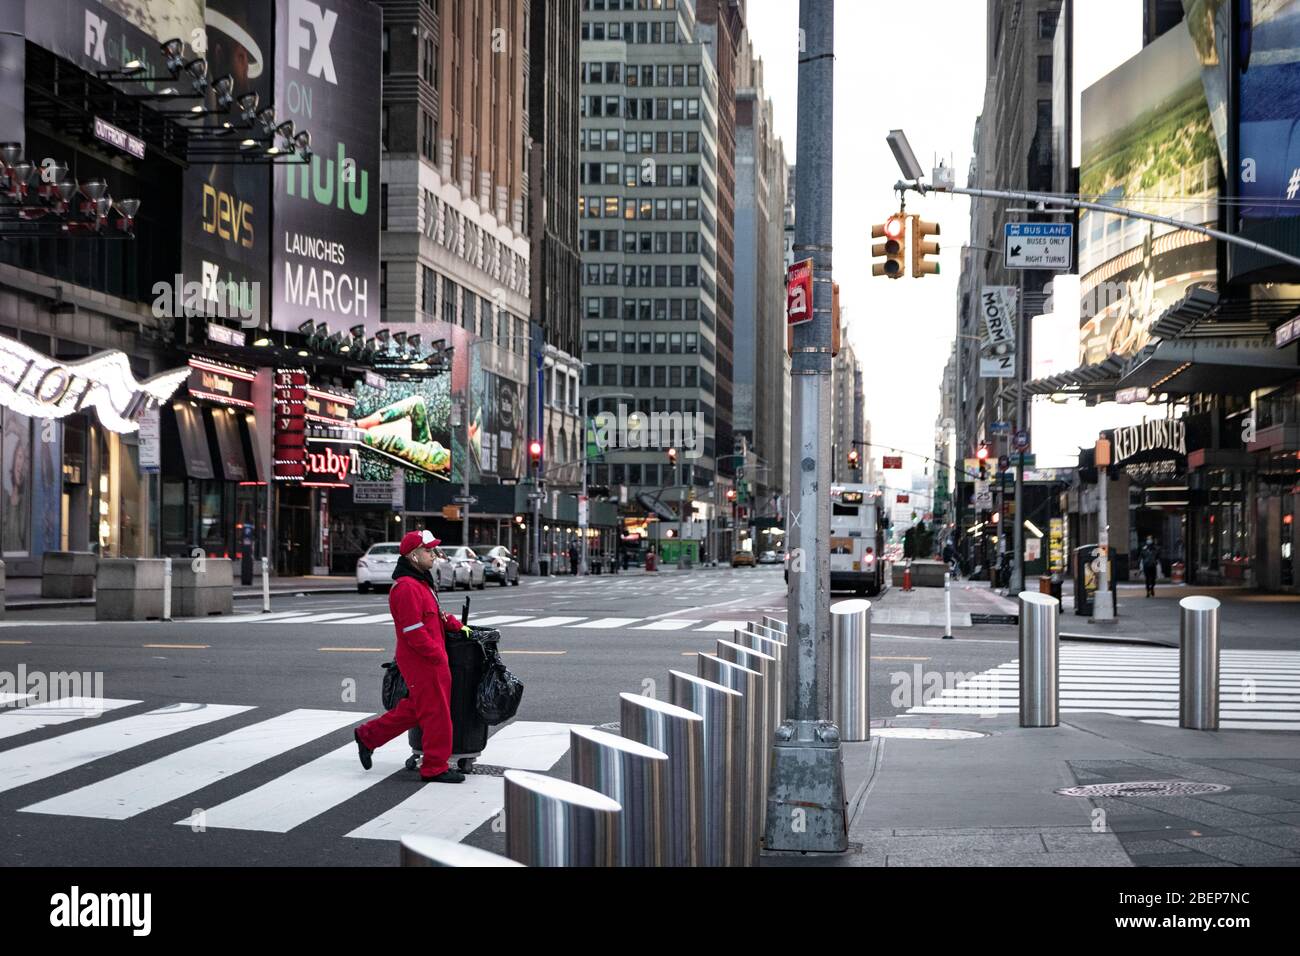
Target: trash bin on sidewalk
<point>650,561</point>
<point>544,565</point>
<point>467,661</point>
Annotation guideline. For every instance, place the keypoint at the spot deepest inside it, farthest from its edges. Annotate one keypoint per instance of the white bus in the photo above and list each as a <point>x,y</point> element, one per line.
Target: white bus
<point>857,545</point>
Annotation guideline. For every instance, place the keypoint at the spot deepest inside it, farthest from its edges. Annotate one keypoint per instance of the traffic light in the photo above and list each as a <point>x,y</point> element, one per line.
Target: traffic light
<point>853,459</point>
<point>922,247</point>
<point>672,456</point>
<point>731,495</point>
<point>891,231</point>
<point>535,452</point>
<point>982,453</point>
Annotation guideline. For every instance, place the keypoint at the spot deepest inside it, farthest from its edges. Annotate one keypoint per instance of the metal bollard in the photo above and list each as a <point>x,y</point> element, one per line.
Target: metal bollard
<point>773,648</point>
<point>770,633</point>
<point>679,733</point>
<point>719,707</point>
<point>632,774</point>
<point>1040,671</point>
<point>747,760</point>
<point>947,605</point>
<point>167,589</point>
<point>418,850</point>
<point>266,586</point>
<point>851,669</point>
<point>770,668</point>
<point>551,822</point>
<point>1198,663</point>
<point>775,624</point>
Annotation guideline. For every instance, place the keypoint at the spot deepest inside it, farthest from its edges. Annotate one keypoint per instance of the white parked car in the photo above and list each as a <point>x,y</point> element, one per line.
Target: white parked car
<point>470,572</point>
<point>500,565</point>
<point>375,567</point>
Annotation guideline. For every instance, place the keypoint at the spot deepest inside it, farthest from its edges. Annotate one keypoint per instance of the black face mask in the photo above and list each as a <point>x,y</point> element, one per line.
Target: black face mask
<point>405,569</point>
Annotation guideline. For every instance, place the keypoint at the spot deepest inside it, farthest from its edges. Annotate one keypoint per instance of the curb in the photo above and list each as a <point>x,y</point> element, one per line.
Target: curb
<point>56,604</point>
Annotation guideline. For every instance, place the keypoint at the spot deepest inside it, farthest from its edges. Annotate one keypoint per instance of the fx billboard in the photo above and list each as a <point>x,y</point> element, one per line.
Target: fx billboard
<point>325,261</point>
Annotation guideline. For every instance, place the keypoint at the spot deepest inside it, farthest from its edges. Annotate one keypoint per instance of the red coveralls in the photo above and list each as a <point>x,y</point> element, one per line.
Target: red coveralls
<point>422,659</point>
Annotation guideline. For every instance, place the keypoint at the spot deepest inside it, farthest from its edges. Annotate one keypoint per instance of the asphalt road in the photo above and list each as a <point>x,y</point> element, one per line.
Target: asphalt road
<point>248,759</point>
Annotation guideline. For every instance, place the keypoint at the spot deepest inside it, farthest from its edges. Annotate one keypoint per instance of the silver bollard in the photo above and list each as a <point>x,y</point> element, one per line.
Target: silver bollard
<point>632,774</point>
<point>266,586</point>
<point>769,667</point>
<point>770,633</point>
<point>773,648</point>
<point>718,706</point>
<point>775,624</point>
<point>167,589</point>
<point>851,668</point>
<point>1040,673</point>
<point>679,733</point>
<point>551,822</point>
<point>419,850</point>
<point>747,754</point>
<point>1198,663</point>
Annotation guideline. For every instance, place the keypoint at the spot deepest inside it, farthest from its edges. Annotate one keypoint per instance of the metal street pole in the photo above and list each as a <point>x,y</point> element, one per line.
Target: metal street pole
<point>1022,340</point>
<point>464,514</point>
<point>805,800</point>
<point>1102,608</point>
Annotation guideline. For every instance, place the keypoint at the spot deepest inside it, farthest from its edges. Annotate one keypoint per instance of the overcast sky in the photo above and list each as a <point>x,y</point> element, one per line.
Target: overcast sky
<point>902,329</point>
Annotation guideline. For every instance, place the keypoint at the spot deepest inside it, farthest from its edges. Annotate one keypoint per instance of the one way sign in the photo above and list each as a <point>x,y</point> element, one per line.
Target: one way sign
<point>1039,245</point>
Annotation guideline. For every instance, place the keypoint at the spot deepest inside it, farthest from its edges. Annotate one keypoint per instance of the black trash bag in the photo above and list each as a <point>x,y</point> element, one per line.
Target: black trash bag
<point>499,692</point>
<point>394,687</point>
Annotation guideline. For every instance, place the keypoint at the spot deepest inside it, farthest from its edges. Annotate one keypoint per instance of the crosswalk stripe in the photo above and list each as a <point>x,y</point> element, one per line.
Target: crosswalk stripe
<point>527,745</point>
<point>171,777</point>
<point>609,623</point>
<point>439,810</point>
<point>384,618</point>
<point>546,622</point>
<point>497,620</point>
<point>62,711</point>
<point>305,792</point>
<point>45,758</point>
<point>666,625</point>
<point>727,626</point>
<point>282,616</point>
<point>8,698</point>
<point>316,618</point>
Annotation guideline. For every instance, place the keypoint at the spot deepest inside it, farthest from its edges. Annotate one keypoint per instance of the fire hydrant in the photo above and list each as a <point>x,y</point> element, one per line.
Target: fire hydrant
<point>907,578</point>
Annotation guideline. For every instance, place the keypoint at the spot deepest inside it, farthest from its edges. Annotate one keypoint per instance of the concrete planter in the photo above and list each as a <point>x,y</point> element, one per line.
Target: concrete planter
<point>68,574</point>
<point>928,574</point>
<point>129,589</point>
<point>209,590</point>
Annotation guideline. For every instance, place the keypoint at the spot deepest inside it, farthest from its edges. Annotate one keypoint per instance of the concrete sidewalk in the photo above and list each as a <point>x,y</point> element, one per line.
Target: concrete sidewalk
<point>991,800</point>
<point>24,594</point>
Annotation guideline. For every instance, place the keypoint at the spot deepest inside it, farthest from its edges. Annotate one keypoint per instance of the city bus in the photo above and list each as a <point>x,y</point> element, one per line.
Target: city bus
<point>857,545</point>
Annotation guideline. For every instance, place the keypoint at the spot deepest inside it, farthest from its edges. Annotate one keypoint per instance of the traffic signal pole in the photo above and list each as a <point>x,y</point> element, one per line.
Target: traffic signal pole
<point>805,799</point>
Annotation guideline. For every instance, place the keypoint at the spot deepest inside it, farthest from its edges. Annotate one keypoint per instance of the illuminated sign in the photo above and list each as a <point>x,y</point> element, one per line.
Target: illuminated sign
<point>35,384</point>
<point>224,384</point>
<point>290,424</point>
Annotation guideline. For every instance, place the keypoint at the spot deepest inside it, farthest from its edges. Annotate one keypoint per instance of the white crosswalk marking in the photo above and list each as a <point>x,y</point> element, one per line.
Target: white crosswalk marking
<point>45,758</point>
<point>384,618</point>
<point>62,711</point>
<point>283,617</point>
<point>305,792</point>
<point>609,623</point>
<point>451,812</point>
<point>527,745</point>
<point>319,618</point>
<point>194,768</point>
<point>497,620</point>
<point>666,625</point>
<point>8,698</point>
<point>1258,690</point>
<point>546,622</point>
<point>727,626</point>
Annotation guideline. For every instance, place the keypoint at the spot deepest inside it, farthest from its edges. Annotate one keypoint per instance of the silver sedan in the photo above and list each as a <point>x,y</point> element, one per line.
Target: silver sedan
<point>469,569</point>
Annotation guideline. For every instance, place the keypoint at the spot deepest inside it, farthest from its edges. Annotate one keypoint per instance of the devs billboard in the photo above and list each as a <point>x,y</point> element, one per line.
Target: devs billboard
<point>1148,143</point>
<point>325,260</point>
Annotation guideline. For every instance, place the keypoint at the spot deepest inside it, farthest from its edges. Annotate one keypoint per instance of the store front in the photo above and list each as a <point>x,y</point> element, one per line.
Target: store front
<point>213,491</point>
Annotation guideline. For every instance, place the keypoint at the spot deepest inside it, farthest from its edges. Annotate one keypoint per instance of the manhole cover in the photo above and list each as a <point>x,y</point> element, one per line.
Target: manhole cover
<point>1144,788</point>
<point>925,733</point>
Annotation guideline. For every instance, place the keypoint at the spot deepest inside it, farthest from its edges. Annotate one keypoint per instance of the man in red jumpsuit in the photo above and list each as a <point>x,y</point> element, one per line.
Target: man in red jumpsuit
<point>422,659</point>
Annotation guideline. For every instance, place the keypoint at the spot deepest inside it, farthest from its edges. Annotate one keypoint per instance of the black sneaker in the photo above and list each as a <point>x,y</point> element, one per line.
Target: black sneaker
<point>363,751</point>
<point>447,776</point>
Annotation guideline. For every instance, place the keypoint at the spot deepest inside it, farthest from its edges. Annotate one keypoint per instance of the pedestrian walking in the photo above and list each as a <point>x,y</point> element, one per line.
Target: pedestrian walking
<point>422,659</point>
<point>1150,561</point>
<point>573,557</point>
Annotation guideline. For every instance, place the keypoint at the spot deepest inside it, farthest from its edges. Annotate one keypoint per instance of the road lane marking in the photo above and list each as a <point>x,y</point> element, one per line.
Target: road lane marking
<point>450,813</point>
<point>665,625</point>
<point>61,711</point>
<point>608,622</point>
<point>175,775</point>
<point>527,745</point>
<point>45,758</point>
<point>304,793</point>
<point>728,626</point>
<point>547,622</point>
<point>312,618</point>
<point>178,647</point>
<point>247,618</point>
<point>384,618</point>
<point>497,620</point>
<point>14,642</point>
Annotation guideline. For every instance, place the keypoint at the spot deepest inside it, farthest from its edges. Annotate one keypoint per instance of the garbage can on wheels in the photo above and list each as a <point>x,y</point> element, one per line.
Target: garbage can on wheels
<point>469,732</point>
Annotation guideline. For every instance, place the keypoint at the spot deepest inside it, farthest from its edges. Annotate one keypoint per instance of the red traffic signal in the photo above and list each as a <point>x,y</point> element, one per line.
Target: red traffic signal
<point>535,450</point>
<point>853,458</point>
<point>982,453</point>
<point>731,494</point>
<point>672,455</point>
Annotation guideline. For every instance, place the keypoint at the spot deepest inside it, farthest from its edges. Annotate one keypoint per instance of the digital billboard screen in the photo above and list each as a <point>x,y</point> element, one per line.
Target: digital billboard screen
<point>1269,104</point>
<point>1148,144</point>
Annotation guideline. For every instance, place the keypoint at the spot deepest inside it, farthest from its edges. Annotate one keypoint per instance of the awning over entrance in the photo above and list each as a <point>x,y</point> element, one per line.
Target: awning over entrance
<point>1224,366</point>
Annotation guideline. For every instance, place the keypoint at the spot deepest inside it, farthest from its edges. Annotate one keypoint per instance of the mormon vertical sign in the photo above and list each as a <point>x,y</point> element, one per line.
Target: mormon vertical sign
<point>326,254</point>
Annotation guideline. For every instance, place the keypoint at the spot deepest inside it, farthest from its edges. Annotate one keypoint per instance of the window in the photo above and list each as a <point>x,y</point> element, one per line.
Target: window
<point>426,134</point>
<point>1044,69</point>
<point>383,205</point>
<point>675,342</point>
<point>385,63</point>
<point>593,342</point>
<point>661,343</point>
<point>383,285</point>
<point>610,341</point>
<point>383,127</point>
<point>629,376</point>
<point>643,376</point>
<point>1046,24</point>
<point>661,376</point>
<point>430,62</point>
<point>428,290</point>
<point>691,376</point>
<point>675,376</point>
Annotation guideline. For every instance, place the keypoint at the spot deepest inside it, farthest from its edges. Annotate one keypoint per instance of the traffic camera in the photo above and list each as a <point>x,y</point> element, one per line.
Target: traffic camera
<point>891,231</point>
<point>922,231</point>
